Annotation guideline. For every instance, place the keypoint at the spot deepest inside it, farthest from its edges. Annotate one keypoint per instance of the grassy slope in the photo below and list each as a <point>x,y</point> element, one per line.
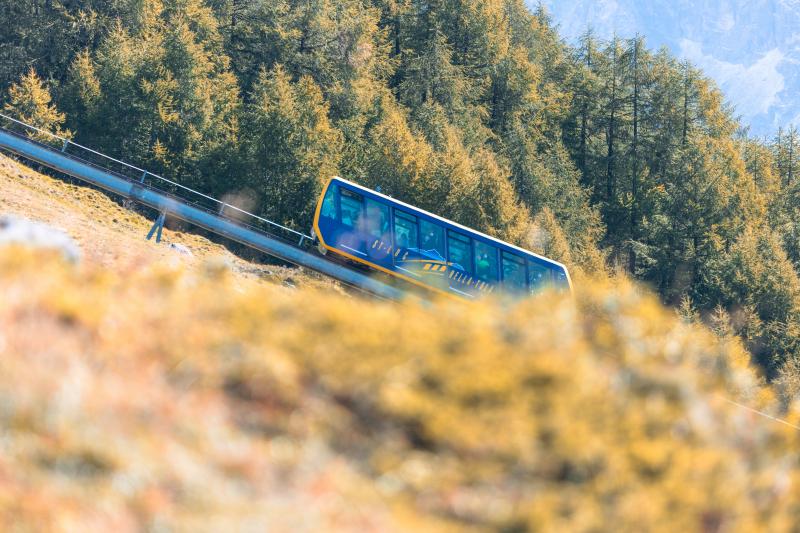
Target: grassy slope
<point>114,237</point>
<point>142,393</point>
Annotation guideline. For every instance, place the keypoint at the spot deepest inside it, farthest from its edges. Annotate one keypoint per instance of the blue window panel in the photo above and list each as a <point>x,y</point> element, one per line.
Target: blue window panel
<point>377,219</point>
<point>459,250</point>
<point>432,240</point>
<point>486,262</point>
<point>560,278</point>
<point>539,276</point>
<point>351,204</point>
<point>513,272</point>
<point>379,235</point>
<point>329,203</point>
<point>406,234</point>
<point>352,236</point>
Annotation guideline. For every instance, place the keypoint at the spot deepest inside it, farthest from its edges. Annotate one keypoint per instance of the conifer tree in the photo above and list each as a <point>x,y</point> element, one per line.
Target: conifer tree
<point>785,148</point>
<point>290,149</point>
<point>46,34</point>
<point>693,199</point>
<point>635,207</point>
<point>545,179</point>
<point>581,126</point>
<point>548,239</point>
<point>162,95</point>
<point>339,44</point>
<point>755,272</point>
<point>432,78</point>
<point>477,111</point>
<point>29,101</point>
<point>82,95</point>
<point>400,161</point>
<point>488,202</point>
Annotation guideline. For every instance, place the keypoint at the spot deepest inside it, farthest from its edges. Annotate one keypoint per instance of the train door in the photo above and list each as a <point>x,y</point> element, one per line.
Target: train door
<point>353,223</point>
<point>406,243</point>
<point>459,258</point>
<point>379,234</point>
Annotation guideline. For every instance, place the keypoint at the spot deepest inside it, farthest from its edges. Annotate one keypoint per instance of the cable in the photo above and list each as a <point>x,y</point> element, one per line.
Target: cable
<point>760,413</point>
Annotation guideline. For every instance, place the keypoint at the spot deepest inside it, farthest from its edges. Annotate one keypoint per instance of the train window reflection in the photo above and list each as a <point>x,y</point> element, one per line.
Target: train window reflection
<point>539,276</point>
<point>405,230</point>
<point>432,238</point>
<point>329,202</point>
<point>485,262</point>
<point>377,218</point>
<point>560,277</point>
<point>513,271</point>
<point>459,250</point>
<point>351,208</point>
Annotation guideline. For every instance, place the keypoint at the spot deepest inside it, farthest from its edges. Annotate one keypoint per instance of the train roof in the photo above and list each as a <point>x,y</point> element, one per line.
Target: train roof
<point>448,222</point>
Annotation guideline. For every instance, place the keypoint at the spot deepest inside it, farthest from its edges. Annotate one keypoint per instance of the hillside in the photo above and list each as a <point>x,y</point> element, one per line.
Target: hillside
<point>608,155</point>
<point>113,237</point>
<point>141,392</point>
<point>181,387</point>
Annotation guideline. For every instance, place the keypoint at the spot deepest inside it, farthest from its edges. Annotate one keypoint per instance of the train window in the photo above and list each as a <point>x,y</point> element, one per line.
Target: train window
<point>351,207</point>
<point>459,249</point>
<point>513,271</point>
<point>329,202</point>
<point>560,278</point>
<point>432,237</point>
<point>485,262</point>
<point>377,218</point>
<point>405,230</point>
<point>539,276</point>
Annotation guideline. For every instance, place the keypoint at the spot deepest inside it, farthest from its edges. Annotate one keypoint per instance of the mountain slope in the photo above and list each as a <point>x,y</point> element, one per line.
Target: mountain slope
<point>142,394</point>
<point>112,236</point>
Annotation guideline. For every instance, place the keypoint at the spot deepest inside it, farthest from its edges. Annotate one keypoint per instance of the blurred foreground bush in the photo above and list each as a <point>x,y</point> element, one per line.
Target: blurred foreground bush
<point>172,400</point>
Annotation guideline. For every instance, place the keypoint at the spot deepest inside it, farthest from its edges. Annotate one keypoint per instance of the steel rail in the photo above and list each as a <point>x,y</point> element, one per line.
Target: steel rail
<point>180,208</point>
<point>145,173</point>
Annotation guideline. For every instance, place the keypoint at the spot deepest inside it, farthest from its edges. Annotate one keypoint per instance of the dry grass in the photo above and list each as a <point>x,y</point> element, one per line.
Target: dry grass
<point>192,400</point>
<point>113,236</point>
<point>138,393</point>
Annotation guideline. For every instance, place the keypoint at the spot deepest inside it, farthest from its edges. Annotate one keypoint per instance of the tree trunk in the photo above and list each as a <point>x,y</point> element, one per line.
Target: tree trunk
<point>610,185</point>
<point>634,230</point>
<point>685,106</point>
<point>585,111</point>
<point>790,162</point>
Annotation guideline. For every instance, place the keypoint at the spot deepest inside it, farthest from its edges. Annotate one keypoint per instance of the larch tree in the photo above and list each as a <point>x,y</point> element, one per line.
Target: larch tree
<point>290,147</point>
<point>29,101</point>
<point>163,95</point>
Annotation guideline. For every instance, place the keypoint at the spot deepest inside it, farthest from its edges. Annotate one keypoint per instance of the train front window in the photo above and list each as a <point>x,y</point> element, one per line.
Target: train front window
<point>432,238</point>
<point>405,230</point>
<point>485,262</point>
<point>513,272</point>
<point>560,278</point>
<point>539,277</point>
<point>351,208</point>
<point>459,249</point>
<point>329,202</point>
<point>377,218</point>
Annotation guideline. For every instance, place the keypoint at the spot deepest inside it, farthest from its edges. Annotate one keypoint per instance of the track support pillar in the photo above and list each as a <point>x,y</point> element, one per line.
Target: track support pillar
<point>158,225</point>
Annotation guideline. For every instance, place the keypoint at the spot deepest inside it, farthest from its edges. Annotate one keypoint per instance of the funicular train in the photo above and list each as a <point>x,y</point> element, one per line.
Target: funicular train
<point>428,251</point>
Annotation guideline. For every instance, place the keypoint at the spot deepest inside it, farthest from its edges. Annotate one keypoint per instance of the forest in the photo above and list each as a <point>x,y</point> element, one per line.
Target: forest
<point>607,155</point>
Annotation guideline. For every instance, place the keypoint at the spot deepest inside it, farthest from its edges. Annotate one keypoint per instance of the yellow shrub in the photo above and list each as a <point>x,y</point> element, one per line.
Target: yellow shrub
<point>198,401</point>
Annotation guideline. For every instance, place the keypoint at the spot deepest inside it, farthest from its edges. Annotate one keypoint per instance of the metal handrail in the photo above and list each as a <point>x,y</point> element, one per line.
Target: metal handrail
<point>145,173</point>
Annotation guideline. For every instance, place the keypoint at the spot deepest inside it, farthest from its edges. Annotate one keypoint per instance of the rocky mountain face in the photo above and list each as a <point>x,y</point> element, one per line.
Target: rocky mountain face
<point>750,47</point>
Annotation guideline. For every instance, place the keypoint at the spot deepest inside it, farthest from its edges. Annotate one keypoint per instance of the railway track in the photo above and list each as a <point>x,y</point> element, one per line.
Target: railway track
<point>171,199</point>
